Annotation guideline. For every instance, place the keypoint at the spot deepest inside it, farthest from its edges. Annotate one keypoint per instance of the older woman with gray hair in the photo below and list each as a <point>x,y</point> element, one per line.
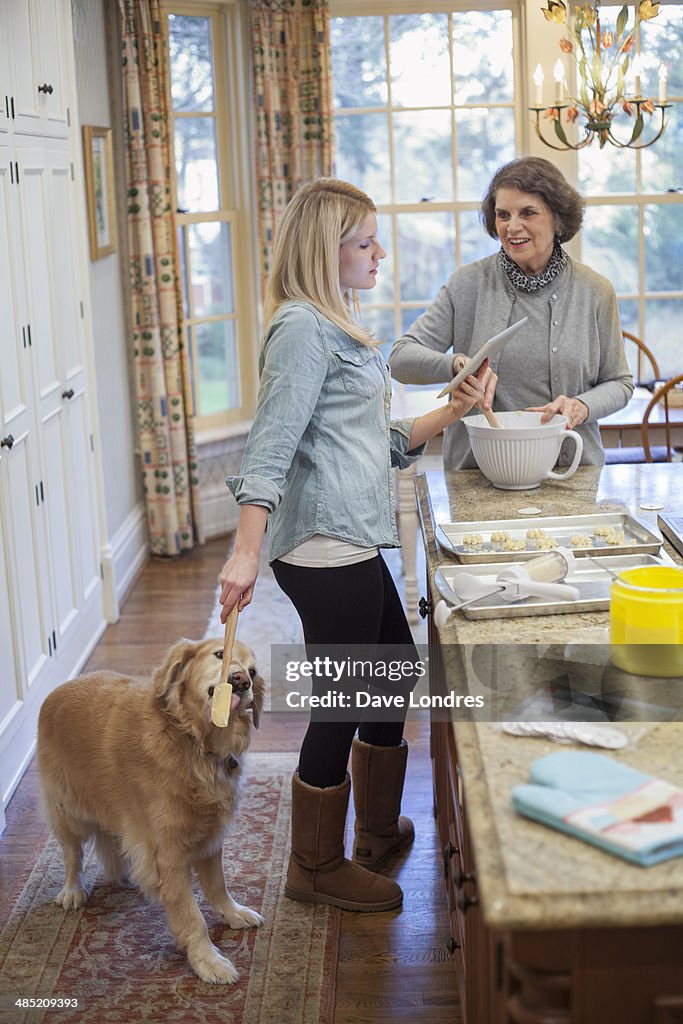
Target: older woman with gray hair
<point>569,358</point>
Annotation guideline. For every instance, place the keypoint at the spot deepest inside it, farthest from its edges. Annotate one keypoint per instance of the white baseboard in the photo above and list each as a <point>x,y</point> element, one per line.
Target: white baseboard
<point>123,558</point>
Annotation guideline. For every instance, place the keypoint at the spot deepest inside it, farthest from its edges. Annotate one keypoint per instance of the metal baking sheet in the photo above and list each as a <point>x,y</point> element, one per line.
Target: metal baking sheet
<point>592,581</point>
<point>639,538</point>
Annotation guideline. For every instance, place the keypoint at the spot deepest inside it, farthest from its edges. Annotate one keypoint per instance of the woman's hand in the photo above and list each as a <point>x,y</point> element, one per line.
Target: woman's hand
<point>239,573</point>
<point>237,580</point>
<point>471,392</point>
<point>480,389</point>
<point>574,409</point>
<point>484,375</point>
<point>465,397</point>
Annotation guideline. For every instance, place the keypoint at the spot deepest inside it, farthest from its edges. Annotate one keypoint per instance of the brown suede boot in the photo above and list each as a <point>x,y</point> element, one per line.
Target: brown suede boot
<point>378,774</point>
<point>318,871</point>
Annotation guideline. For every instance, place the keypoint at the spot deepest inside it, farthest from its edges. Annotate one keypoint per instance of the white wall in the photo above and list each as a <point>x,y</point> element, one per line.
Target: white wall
<point>114,388</point>
<point>125,544</point>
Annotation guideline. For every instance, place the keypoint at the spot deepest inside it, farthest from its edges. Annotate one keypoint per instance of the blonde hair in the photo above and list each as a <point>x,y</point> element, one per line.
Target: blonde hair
<point>320,217</point>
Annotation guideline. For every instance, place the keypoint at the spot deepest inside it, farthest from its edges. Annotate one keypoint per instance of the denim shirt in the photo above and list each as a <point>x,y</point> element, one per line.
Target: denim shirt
<point>321,448</point>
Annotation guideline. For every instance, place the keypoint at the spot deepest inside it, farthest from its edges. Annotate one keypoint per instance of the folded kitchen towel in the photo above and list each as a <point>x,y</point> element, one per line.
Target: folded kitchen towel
<point>595,798</point>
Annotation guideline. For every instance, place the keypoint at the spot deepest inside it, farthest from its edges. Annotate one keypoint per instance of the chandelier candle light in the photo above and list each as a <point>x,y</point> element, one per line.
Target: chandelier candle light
<point>603,61</point>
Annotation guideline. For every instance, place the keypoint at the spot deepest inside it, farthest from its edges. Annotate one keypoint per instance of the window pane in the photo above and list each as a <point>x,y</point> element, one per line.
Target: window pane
<point>420,65</point>
<point>664,248</point>
<point>426,242</point>
<point>381,323</point>
<point>384,289</point>
<point>362,145</point>
<point>661,42</point>
<point>482,56</point>
<point>638,362</point>
<point>485,140</point>
<point>408,318</point>
<point>423,156</point>
<point>218,367</point>
<point>602,171</point>
<point>661,168</point>
<point>211,269</point>
<point>628,314</point>
<point>663,318</point>
<point>196,164</point>
<point>191,62</point>
<point>475,244</point>
<point>609,244</point>
<point>359,66</point>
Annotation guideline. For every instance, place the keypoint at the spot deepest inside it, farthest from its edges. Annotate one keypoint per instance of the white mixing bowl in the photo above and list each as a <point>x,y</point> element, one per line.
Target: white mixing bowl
<point>521,453</point>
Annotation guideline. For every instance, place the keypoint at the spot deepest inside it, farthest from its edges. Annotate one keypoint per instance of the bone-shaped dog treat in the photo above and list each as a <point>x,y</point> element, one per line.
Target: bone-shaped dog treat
<point>220,705</point>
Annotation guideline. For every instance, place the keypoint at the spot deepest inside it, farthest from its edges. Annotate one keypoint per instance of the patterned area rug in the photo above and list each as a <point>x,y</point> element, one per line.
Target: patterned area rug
<point>117,955</point>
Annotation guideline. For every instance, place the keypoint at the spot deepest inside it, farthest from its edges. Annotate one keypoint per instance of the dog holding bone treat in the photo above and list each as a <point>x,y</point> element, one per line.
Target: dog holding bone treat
<point>140,766</point>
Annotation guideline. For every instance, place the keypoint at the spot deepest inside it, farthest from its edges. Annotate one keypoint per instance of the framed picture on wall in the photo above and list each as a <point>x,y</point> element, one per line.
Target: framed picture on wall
<point>99,188</point>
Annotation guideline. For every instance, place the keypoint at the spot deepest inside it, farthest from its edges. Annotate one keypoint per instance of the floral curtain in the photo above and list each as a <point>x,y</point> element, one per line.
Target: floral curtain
<point>293,105</point>
<point>161,368</point>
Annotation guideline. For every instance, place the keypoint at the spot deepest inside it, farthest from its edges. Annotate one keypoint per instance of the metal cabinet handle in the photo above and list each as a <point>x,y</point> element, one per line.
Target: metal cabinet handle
<point>424,607</point>
<point>7,442</point>
<point>47,89</point>
<point>461,877</point>
<point>463,902</point>
<point>450,850</point>
<point>69,393</point>
<point>452,945</point>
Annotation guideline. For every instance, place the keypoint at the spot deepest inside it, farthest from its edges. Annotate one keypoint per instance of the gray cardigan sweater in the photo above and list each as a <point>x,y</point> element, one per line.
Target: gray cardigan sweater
<point>571,346</point>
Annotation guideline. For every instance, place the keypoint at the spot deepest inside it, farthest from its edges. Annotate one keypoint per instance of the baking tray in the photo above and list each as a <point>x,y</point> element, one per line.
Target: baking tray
<point>592,582</point>
<point>639,538</point>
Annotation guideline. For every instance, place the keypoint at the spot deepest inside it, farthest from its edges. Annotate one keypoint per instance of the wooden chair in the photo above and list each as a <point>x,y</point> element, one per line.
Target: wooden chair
<point>644,355</point>
<point>660,395</point>
<point>619,456</point>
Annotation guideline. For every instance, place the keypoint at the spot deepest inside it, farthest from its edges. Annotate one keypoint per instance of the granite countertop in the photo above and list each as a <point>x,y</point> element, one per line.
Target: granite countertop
<point>530,876</point>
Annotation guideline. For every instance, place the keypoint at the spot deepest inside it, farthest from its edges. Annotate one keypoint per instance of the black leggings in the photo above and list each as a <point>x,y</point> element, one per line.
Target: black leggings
<point>349,604</point>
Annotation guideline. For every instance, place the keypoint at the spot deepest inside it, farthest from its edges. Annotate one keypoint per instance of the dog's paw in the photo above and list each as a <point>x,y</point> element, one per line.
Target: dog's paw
<point>71,898</point>
<point>210,966</point>
<point>242,917</point>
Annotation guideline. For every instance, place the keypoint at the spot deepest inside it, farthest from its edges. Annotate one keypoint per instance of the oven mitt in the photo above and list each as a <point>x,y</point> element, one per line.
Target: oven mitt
<point>606,803</point>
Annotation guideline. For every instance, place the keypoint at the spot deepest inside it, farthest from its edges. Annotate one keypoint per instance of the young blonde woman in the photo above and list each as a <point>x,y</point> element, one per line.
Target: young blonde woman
<point>317,471</point>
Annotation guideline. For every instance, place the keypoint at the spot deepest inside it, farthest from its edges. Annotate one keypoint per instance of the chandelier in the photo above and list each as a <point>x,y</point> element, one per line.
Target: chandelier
<point>603,61</point>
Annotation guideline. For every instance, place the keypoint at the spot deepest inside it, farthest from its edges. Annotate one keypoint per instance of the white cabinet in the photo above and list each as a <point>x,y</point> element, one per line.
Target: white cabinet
<point>50,586</point>
<point>35,90</point>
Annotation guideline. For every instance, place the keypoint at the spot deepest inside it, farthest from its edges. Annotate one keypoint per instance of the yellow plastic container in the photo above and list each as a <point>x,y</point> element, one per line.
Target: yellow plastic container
<point>646,621</point>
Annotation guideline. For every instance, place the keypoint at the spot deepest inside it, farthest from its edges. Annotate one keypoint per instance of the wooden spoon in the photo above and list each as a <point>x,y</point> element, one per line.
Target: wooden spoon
<point>493,421</point>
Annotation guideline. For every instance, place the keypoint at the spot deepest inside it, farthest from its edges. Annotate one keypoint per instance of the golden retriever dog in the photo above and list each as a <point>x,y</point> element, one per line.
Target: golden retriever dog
<point>138,766</point>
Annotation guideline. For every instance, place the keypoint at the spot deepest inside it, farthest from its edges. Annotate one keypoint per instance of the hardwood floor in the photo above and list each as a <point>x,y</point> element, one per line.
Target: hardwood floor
<point>392,967</point>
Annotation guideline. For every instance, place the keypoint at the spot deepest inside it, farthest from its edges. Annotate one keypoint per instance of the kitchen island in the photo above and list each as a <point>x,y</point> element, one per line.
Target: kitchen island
<point>544,927</point>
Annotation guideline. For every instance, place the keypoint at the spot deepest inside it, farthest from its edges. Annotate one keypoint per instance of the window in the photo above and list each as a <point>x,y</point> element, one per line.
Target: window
<point>633,230</point>
<point>425,112</point>
<point>214,235</point>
